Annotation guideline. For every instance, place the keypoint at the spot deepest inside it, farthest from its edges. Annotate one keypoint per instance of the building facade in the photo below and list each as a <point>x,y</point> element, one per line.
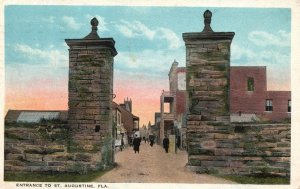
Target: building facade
<point>173,105</point>
<point>125,120</point>
<point>250,99</point>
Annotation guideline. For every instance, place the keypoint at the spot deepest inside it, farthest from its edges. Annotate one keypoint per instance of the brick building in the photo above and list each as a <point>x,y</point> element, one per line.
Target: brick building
<point>124,117</point>
<point>250,99</point>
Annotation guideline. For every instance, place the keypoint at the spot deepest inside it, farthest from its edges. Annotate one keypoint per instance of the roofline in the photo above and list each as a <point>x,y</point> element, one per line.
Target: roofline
<point>120,107</point>
<point>279,91</point>
<point>248,67</point>
<point>38,110</point>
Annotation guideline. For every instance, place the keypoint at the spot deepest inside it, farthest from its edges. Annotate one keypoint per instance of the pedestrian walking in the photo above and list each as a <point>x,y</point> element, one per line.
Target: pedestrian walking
<point>122,144</point>
<point>151,138</point>
<point>136,144</point>
<point>166,144</point>
<point>151,142</point>
<point>130,140</point>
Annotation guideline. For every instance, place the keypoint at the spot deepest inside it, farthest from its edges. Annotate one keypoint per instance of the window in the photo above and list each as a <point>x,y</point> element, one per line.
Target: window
<point>250,84</point>
<point>289,105</point>
<point>269,105</point>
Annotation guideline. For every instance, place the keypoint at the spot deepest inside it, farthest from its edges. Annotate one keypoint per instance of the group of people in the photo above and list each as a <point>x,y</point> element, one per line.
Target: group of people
<point>136,142</point>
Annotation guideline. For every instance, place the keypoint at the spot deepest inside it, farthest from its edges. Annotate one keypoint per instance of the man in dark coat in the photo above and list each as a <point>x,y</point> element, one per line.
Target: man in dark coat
<point>166,144</point>
<point>136,144</point>
<point>151,138</point>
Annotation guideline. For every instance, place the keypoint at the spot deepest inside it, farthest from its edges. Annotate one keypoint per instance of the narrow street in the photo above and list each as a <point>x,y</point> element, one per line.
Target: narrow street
<point>153,165</point>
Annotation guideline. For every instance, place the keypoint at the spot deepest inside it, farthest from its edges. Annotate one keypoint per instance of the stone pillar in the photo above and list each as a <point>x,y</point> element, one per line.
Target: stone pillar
<point>208,65</point>
<point>91,92</point>
<point>207,82</point>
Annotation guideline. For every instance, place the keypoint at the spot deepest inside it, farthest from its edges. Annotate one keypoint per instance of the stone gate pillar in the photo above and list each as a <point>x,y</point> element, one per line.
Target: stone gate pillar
<point>91,92</point>
<point>208,65</point>
<point>207,83</point>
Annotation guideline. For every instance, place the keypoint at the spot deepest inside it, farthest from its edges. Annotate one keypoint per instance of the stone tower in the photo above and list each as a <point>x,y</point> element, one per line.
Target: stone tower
<point>91,91</point>
<point>207,84</point>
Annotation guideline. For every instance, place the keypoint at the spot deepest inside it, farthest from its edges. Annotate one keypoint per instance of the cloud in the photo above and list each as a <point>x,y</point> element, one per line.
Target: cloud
<point>138,29</point>
<point>126,31</point>
<point>71,23</point>
<point>135,29</point>
<point>262,38</point>
<point>238,52</point>
<point>52,57</point>
<point>102,26</point>
<point>272,56</point>
<point>171,37</point>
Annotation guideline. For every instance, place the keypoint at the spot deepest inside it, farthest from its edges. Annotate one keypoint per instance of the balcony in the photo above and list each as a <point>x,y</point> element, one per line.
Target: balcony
<point>168,116</point>
<point>167,96</point>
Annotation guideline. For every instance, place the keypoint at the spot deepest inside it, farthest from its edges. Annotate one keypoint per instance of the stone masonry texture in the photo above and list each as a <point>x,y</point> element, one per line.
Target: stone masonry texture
<point>27,151</point>
<point>91,91</point>
<point>207,72</point>
<point>244,149</point>
<point>214,144</point>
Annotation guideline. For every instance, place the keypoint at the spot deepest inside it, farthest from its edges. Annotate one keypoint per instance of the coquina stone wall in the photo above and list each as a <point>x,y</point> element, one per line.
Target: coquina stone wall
<point>45,149</point>
<point>214,144</point>
<point>249,149</point>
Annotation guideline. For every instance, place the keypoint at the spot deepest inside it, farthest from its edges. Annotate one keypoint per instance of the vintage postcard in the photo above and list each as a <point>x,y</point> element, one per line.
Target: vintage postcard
<point>149,94</point>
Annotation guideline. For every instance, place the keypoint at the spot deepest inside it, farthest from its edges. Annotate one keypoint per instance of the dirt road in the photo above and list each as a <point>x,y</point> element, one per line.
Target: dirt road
<point>153,165</point>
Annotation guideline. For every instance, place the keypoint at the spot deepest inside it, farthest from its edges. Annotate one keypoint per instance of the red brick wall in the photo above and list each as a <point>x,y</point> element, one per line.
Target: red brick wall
<point>244,101</point>
<point>180,102</point>
<point>280,105</point>
<point>126,118</point>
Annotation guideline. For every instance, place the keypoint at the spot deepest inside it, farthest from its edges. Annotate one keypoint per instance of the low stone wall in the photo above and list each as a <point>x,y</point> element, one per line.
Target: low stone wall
<point>244,149</point>
<point>27,150</point>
